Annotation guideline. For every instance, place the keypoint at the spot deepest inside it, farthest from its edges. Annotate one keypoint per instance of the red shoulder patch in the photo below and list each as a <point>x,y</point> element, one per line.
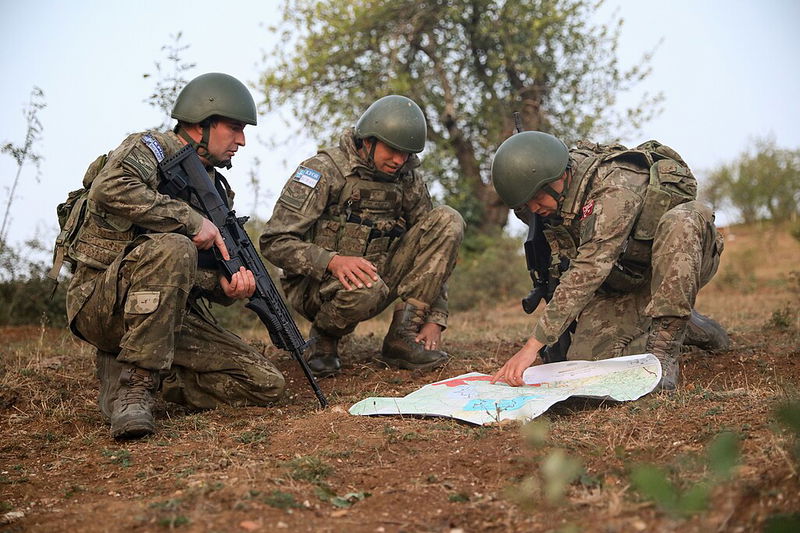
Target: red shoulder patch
<point>587,209</point>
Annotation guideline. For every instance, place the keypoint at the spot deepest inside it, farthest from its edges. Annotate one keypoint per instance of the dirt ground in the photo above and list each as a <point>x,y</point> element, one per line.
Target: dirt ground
<point>298,468</point>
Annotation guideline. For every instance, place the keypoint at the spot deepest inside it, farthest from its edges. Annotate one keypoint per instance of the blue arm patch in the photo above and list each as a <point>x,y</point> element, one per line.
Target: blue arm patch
<point>307,176</point>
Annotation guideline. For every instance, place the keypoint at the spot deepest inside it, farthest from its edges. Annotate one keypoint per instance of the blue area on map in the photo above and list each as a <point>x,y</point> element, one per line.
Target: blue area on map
<point>494,405</point>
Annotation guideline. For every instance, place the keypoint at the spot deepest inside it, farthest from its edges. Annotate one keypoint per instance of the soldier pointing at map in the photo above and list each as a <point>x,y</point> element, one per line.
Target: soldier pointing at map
<point>637,244</point>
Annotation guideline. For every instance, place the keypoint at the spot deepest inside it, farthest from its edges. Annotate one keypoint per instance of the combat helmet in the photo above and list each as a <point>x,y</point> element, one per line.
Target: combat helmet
<point>208,95</point>
<point>527,163</point>
<point>397,121</point>
<point>215,94</point>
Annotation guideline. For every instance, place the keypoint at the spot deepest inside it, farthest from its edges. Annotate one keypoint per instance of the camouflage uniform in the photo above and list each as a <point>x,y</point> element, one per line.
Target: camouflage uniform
<point>335,205</point>
<point>134,293</point>
<point>618,279</point>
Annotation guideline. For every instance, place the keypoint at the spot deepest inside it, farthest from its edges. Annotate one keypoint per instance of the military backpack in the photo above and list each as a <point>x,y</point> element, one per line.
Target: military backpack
<point>71,216</point>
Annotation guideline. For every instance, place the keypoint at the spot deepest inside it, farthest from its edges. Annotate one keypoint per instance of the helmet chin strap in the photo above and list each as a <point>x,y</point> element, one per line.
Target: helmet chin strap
<point>559,196</point>
<point>202,147</point>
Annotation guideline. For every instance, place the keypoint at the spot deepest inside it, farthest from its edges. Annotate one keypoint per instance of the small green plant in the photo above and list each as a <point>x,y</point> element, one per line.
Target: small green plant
<point>280,500</point>
<point>782,523</point>
<point>458,497</point>
<point>173,521</point>
<point>308,468</point>
<point>72,491</point>
<point>781,319</point>
<point>119,457</point>
<point>557,470</point>
<point>654,484</point>
<point>326,494</point>
<point>253,437</point>
<point>788,415</point>
<point>167,505</point>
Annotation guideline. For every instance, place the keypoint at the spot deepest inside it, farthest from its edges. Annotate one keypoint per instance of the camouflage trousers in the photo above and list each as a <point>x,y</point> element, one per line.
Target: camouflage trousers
<point>685,256</point>
<point>417,267</point>
<point>139,311</point>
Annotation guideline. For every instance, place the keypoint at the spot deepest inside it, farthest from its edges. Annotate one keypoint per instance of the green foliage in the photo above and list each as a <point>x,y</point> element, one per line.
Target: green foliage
<point>788,415</point>
<point>252,437</point>
<point>308,468</point>
<point>119,457</point>
<point>653,483</point>
<point>458,497</point>
<point>174,521</point>
<point>490,269</point>
<point>557,470</point>
<point>343,502</point>
<point>26,291</point>
<point>783,523</point>
<point>280,500</point>
<point>781,319</point>
<point>763,183</point>
<point>468,64</point>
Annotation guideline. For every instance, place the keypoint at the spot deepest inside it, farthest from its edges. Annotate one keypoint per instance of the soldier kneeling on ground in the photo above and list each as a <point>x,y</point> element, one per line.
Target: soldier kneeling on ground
<point>144,261</point>
<point>637,244</point>
<point>354,229</point>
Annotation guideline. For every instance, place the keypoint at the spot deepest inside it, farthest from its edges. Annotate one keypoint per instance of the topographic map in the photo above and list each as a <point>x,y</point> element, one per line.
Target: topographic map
<point>470,397</point>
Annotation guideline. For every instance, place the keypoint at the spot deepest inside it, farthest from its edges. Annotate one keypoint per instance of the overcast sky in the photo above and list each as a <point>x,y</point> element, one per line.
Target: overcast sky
<point>728,70</point>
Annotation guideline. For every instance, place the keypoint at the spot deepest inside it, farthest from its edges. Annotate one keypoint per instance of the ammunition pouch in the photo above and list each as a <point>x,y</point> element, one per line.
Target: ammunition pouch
<point>357,236</point>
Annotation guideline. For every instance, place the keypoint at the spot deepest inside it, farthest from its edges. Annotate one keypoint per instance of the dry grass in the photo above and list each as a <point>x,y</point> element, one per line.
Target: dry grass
<point>267,469</point>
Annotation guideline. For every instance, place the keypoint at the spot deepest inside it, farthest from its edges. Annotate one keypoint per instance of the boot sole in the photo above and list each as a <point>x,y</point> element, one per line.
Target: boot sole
<point>134,429</point>
<point>405,365</point>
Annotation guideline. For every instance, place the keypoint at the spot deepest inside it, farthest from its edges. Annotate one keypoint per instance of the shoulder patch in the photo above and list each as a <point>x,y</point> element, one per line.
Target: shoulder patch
<point>141,161</point>
<point>154,147</point>
<point>298,189</point>
<point>587,209</point>
<point>307,176</point>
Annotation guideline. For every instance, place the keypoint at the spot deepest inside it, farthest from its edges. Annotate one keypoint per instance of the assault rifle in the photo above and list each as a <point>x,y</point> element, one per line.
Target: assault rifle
<point>183,176</point>
<point>538,259</point>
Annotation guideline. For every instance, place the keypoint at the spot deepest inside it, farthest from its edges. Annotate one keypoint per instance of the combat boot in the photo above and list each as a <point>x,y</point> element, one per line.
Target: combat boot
<point>706,333</point>
<point>132,412</point>
<point>323,357</point>
<point>665,340</point>
<point>400,350</point>
<point>108,371</point>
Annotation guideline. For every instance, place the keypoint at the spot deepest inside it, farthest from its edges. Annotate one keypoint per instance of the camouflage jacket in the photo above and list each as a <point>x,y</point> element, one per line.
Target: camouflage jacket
<point>124,202</point>
<point>591,229</point>
<point>328,187</point>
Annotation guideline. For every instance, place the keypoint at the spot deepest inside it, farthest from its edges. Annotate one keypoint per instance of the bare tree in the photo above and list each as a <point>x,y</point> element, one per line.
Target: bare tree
<point>169,78</point>
<point>24,153</point>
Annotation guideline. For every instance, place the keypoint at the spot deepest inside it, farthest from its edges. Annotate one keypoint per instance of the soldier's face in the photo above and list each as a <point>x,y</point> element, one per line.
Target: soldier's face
<point>225,138</point>
<point>542,203</point>
<point>387,159</point>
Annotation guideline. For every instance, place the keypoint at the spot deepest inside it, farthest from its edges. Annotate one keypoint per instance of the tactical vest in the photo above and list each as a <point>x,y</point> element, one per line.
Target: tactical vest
<point>365,220</point>
<point>671,183</point>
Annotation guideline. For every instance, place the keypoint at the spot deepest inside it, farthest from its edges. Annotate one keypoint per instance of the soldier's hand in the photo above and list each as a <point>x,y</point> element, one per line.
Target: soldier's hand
<point>352,271</point>
<point>242,284</point>
<point>511,372</point>
<point>430,334</point>
<point>209,236</point>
